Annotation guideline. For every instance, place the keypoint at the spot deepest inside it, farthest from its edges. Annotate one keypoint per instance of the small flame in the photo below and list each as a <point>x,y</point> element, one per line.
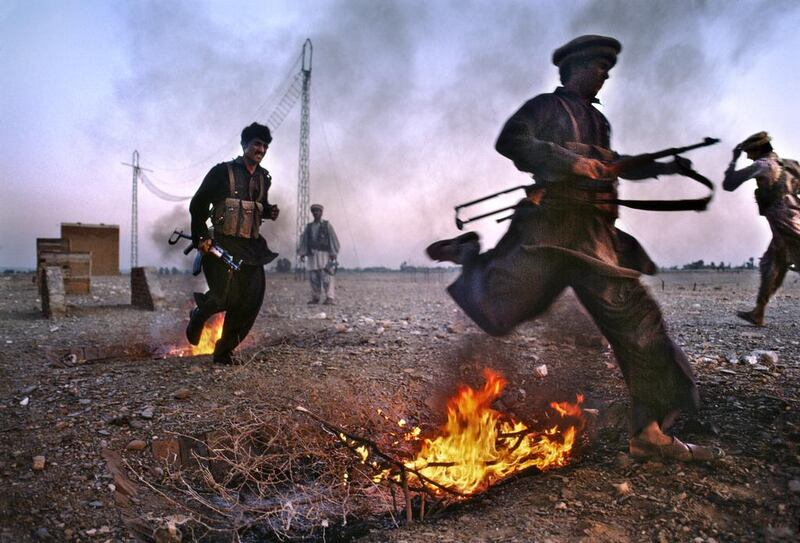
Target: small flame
<point>478,446</point>
<point>211,334</point>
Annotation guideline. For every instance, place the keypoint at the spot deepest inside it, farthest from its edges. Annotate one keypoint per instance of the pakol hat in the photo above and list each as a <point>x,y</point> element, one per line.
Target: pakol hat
<point>755,141</point>
<point>588,46</point>
<point>316,206</point>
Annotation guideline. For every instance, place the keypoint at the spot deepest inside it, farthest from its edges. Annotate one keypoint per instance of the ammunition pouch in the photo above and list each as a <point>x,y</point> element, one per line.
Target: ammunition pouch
<point>237,218</point>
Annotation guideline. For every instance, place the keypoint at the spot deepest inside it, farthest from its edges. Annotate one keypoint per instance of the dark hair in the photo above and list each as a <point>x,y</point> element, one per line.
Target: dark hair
<point>254,131</point>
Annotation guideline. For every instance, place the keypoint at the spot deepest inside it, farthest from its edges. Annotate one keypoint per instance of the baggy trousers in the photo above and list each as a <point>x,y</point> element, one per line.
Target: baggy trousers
<point>240,294</point>
<point>775,262</point>
<point>500,290</point>
<point>321,281</point>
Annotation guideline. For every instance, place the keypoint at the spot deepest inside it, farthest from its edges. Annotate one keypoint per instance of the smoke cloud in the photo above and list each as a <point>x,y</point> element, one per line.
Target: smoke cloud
<point>407,99</point>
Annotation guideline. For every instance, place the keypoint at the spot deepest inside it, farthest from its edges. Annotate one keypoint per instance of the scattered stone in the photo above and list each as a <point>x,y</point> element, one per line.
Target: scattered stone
<point>456,328</point>
<point>38,463</point>
<point>766,357</point>
<point>43,533</point>
<point>540,371</point>
<point>121,420</point>
<point>195,369</point>
<point>749,359</point>
<point>794,486</point>
<point>96,504</point>
<point>84,401</point>
<point>623,488</point>
<point>560,506</point>
<point>25,401</point>
<point>379,330</point>
<point>341,328</point>
<point>182,393</point>
<point>146,413</point>
<point>136,445</point>
<point>321,315</point>
<point>166,450</point>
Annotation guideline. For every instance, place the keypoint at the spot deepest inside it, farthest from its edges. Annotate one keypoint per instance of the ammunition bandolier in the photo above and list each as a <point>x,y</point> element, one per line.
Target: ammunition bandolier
<point>237,217</point>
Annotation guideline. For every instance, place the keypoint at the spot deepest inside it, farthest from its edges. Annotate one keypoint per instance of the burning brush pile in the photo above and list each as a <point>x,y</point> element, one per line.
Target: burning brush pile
<point>477,447</point>
<point>273,474</point>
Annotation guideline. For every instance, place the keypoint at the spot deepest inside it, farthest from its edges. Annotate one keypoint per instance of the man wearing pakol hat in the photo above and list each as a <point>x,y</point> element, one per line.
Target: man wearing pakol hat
<point>234,195</point>
<point>777,189</point>
<point>319,247</point>
<point>563,235</point>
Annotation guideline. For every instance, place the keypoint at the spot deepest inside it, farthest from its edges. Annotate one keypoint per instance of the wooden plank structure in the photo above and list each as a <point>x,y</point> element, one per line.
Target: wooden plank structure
<point>76,266</point>
<point>102,240</point>
<point>50,245</point>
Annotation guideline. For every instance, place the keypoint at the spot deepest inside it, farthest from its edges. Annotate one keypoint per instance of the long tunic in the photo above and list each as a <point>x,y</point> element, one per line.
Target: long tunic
<point>545,137</point>
<point>317,252</point>
<point>569,240</point>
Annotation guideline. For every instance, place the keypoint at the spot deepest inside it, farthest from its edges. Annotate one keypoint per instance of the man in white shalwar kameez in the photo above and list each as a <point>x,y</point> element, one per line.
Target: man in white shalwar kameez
<point>319,246</point>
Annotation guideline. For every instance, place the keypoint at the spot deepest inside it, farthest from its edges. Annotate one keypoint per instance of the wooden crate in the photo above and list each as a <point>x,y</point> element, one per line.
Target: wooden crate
<point>77,269</point>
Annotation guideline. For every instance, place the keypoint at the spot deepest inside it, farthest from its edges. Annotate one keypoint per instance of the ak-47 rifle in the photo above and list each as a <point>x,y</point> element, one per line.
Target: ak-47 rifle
<point>617,167</point>
<point>214,250</point>
<point>629,163</point>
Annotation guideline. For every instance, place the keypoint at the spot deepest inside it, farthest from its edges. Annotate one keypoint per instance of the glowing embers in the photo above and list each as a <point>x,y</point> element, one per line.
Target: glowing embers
<point>479,446</point>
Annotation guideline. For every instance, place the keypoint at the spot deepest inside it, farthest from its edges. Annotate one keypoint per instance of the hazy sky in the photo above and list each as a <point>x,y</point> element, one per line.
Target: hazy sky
<point>407,99</point>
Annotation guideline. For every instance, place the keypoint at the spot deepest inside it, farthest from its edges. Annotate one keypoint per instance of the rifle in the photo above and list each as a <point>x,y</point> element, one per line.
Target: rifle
<point>618,167</point>
<point>637,161</point>
<point>215,250</point>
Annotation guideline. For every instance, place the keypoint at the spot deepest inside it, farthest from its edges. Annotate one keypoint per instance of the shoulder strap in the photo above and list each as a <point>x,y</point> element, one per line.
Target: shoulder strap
<point>260,187</point>
<point>231,180</point>
<point>575,131</point>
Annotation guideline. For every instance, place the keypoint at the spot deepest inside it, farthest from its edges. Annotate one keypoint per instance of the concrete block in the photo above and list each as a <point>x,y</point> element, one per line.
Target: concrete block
<point>54,303</point>
<point>146,291</point>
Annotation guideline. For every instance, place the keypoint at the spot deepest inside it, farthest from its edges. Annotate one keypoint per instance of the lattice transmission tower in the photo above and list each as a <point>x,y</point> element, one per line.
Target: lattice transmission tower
<point>303,189</point>
<point>137,171</point>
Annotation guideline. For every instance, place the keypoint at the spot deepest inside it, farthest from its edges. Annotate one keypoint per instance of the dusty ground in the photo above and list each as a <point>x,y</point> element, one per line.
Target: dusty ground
<point>396,342</point>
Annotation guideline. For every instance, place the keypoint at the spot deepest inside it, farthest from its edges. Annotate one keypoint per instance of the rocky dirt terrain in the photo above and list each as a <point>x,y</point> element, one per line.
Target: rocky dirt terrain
<point>87,401</point>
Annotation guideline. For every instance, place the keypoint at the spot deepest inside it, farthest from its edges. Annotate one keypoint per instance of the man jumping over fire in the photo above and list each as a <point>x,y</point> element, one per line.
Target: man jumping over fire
<point>234,195</point>
<point>563,235</point>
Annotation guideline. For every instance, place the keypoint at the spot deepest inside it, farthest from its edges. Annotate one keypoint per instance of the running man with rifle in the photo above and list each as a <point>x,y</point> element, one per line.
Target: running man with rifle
<point>234,195</point>
<point>778,198</point>
<point>563,235</point>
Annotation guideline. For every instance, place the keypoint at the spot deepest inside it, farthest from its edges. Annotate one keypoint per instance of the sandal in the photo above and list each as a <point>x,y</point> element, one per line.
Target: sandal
<point>676,450</point>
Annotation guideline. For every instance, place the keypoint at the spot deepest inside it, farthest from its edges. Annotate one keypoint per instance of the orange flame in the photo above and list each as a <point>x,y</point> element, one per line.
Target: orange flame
<point>211,334</point>
<point>479,446</point>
